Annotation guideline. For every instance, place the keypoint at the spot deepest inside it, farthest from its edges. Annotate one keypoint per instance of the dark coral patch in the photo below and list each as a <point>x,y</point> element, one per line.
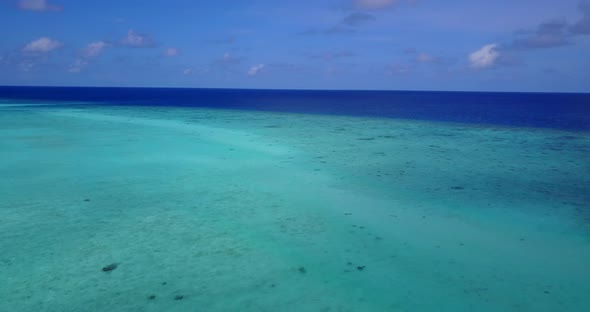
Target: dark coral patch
<point>110,267</point>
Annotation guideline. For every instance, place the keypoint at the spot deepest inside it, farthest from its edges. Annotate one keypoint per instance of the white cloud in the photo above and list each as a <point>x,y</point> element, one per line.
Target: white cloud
<point>37,5</point>
<point>228,59</point>
<point>187,71</point>
<point>425,58</point>
<point>484,57</point>
<point>330,56</point>
<point>379,4</point>
<point>42,45</point>
<point>26,65</point>
<point>374,4</point>
<point>253,71</point>
<point>400,68</point>
<point>137,40</point>
<point>170,52</point>
<point>94,49</point>
<point>77,66</point>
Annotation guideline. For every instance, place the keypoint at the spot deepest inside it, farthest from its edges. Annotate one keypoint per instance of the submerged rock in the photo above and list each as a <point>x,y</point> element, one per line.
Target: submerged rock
<point>110,267</point>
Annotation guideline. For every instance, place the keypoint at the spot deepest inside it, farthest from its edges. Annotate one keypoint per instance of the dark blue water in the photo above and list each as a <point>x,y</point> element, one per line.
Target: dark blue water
<point>546,110</point>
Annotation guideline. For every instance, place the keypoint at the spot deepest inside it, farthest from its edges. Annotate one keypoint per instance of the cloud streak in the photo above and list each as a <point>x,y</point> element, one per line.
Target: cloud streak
<point>347,25</point>
<point>222,41</point>
<point>137,40</point>
<point>425,58</point>
<point>399,68</point>
<point>170,52</point>
<point>37,5</point>
<point>547,35</point>
<point>554,33</point>
<point>77,66</point>
<point>228,59</point>
<point>330,56</point>
<point>94,49</point>
<point>374,4</point>
<point>357,19</point>
<point>582,27</point>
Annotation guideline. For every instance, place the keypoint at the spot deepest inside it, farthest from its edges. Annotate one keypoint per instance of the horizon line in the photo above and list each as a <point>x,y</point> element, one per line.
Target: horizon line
<point>286,89</point>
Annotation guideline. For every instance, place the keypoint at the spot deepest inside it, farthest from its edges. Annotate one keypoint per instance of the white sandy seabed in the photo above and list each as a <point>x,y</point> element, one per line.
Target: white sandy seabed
<point>212,210</point>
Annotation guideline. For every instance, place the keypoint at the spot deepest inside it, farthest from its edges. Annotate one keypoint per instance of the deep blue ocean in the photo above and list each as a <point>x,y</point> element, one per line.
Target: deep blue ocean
<point>547,110</point>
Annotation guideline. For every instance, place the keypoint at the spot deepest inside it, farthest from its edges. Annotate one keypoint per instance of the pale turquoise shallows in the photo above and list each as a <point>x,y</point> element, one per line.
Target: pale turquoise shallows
<point>213,210</point>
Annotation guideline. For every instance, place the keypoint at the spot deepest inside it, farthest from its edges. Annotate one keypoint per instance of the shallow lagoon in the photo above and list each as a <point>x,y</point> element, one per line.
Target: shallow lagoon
<point>228,210</point>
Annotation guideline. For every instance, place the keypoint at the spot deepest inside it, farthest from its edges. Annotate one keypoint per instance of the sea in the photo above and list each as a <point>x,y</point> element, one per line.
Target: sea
<point>148,199</point>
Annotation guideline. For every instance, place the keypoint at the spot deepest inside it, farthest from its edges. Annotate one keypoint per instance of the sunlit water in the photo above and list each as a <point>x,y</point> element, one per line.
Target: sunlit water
<point>228,210</point>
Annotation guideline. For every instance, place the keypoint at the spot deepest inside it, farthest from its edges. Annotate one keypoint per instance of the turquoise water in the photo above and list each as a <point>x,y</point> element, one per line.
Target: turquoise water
<point>228,210</point>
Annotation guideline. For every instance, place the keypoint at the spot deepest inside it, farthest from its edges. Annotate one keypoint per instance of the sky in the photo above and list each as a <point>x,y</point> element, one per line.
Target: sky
<point>452,45</point>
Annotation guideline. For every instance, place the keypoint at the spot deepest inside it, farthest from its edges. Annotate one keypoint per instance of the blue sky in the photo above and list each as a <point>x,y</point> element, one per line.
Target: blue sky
<point>468,45</point>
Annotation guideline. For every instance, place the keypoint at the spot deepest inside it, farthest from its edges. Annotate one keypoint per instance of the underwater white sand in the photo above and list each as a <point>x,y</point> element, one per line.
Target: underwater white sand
<point>258,211</point>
